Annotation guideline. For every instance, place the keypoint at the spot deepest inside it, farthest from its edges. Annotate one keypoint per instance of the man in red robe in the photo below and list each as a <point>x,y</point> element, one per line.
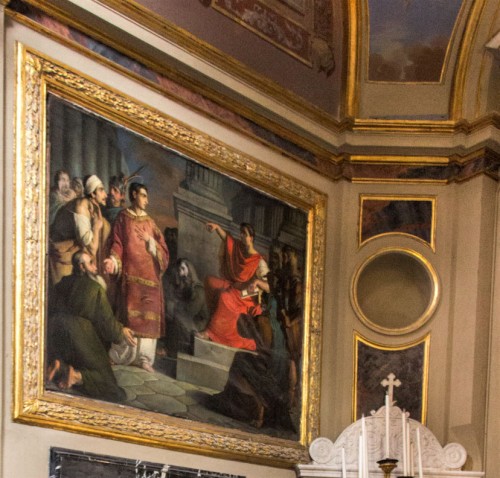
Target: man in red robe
<point>139,256</point>
<point>244,273</point>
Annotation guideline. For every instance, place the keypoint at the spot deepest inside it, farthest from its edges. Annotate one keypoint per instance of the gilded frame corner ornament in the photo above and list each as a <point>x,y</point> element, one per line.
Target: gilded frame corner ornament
<point>423,342</point>
<point>39,75</point>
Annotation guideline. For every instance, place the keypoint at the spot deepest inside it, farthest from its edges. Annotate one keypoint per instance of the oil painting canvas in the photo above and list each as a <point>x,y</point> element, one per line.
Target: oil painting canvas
<point>172,288</point>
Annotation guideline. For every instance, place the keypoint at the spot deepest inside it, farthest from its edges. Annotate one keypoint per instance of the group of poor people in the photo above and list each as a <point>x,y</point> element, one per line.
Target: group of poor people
<point>107,281</point>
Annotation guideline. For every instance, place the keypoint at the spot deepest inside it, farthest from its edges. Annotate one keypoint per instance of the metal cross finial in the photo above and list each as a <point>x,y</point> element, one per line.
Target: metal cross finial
<point>391,383</point>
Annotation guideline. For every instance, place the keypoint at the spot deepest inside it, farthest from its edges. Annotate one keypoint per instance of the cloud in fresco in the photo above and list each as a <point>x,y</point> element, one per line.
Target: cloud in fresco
<point>403,41</point>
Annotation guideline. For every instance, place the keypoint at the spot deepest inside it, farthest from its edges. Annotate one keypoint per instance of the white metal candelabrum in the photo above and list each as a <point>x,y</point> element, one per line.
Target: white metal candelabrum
<point>430,458</point>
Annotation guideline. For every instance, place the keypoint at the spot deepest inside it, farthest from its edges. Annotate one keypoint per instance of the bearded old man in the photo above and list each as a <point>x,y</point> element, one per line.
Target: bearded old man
<point>81,325</point>
<point>139,256</point>
<point>79,225</point>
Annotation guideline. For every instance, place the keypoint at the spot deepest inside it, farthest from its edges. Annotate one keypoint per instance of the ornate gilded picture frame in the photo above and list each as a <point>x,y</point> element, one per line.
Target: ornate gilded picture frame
<point>108,338</point>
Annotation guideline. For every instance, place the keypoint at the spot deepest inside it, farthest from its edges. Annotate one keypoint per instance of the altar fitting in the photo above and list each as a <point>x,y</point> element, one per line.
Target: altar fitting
<point>436,461</point>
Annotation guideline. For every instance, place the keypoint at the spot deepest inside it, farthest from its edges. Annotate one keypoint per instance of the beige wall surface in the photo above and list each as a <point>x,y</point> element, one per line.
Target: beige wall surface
<point>464,258</point>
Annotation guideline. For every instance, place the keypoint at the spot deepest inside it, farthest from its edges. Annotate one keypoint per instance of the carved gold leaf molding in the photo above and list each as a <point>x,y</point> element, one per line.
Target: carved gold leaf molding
<point>38,75</point>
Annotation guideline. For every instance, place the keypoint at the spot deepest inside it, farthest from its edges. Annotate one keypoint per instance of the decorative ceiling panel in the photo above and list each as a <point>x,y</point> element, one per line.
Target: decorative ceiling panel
<point>409,39</point>
<point>303,30</point>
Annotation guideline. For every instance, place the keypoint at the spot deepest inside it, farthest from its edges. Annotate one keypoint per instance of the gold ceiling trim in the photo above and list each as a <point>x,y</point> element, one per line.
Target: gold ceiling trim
<point>361,180</point>
<point>165,29</point>
<point>449,127</point>
<point>344,77</point>
<point>322,153</point>
<point>462,65</point>
<point>388,159</point>
<point>478,154</point>
<point>486,66</point>
<point>352,52</point>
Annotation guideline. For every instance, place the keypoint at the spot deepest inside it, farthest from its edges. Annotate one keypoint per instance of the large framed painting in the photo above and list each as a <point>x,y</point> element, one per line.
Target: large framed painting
<point>166,289</point>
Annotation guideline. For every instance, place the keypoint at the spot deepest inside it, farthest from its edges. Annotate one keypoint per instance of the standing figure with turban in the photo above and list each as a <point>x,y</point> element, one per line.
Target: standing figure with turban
<point>79,225</point>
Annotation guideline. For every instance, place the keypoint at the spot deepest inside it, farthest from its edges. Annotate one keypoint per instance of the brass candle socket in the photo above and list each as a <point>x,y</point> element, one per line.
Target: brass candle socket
<point>387,465</point>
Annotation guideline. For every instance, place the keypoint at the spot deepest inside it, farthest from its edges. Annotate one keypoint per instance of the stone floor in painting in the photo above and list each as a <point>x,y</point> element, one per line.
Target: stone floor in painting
<point>161,393</point>
<point>180,387</point>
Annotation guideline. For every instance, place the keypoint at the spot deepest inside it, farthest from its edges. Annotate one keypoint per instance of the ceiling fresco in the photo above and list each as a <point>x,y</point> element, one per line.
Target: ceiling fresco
<point>409,38</point>
<point>296,44</point>
<point>316,66</point>
<point>304,33</point>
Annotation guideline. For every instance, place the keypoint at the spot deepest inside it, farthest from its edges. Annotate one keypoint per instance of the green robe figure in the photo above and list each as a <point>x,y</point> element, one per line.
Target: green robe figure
<point>81,325</point>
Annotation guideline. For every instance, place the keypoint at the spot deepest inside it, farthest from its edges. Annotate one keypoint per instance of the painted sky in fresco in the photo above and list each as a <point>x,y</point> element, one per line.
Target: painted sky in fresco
<point>408,38</point>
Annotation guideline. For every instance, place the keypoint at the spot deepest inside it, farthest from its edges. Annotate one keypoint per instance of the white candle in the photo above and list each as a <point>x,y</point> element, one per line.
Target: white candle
<point>408,455</point>
<point>403,433</point>
<point>344,472</point>
<point>412,463</point>
<point>387,426</point>
<point>365,447</point>
<point>419,456</point>
<point>360,456</point>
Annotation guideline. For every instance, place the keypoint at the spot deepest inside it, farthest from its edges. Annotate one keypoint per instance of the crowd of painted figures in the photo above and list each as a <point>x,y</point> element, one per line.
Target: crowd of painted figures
<point>119,295</point>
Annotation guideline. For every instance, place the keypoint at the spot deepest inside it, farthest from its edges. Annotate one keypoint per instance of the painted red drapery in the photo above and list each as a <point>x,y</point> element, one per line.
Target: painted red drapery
<point>224,296</point>
<point>140,300</point>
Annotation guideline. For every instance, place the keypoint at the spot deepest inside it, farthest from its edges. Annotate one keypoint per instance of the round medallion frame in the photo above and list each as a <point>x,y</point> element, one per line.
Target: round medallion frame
<point>395,291</point>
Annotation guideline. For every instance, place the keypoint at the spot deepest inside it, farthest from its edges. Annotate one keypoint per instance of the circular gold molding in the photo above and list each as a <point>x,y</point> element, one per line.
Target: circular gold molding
<point>395,291</point>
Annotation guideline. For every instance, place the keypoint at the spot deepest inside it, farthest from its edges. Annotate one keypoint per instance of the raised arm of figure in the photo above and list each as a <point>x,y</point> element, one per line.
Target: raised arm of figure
<point>211,226</point>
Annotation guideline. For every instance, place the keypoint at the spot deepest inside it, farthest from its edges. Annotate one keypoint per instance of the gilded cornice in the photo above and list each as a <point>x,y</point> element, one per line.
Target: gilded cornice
<point>167,30</point>
<point>175,75</point>
<point>352,55</point>
<point>421,169</point>
<point>324,158</point>
<point>426,127</point>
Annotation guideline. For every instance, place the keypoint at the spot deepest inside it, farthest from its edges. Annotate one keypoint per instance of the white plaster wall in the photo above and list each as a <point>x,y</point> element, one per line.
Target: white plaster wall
<point>492,432</point>
<point>25,450</point>
<point>459,328</point>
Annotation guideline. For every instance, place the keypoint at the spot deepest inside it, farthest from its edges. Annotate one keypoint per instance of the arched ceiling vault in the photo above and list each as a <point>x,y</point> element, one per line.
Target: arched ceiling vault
<point>331,82</point>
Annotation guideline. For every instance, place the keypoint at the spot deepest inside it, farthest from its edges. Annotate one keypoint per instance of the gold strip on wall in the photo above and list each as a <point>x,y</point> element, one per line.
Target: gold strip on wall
<point>353,53</point>
<point>465,51</point>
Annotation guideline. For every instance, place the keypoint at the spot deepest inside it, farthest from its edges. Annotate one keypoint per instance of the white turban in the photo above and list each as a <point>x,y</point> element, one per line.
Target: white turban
<point>92,183</point>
